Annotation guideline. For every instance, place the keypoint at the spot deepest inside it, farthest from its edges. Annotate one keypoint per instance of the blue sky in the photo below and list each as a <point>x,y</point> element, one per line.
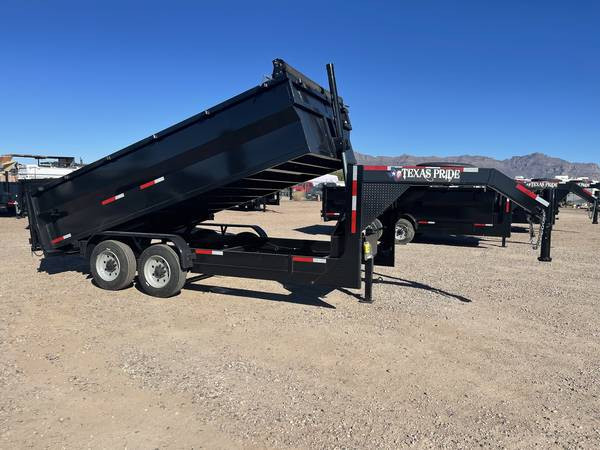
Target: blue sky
<point>422,77</point>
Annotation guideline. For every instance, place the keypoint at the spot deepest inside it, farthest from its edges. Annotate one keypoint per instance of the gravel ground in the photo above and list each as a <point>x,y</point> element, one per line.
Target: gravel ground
<point>467,345</point>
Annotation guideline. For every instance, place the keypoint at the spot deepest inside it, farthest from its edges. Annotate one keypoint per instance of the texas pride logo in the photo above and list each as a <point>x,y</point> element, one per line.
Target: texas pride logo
<point>447,174</point>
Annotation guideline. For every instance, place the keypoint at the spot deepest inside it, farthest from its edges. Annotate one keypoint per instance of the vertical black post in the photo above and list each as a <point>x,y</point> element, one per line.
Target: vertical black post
<point>368,281</point>
<point>547,227</point>
<point>503,241</point>
<point>595,210</point>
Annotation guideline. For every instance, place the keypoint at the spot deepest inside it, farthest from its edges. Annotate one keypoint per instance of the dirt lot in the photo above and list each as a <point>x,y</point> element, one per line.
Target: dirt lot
<point>466,345</point>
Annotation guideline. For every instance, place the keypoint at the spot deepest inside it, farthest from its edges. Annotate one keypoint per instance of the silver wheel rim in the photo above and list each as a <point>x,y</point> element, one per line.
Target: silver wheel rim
<point>400,232</point>
<point>108,266</point>
<point>157,271</point>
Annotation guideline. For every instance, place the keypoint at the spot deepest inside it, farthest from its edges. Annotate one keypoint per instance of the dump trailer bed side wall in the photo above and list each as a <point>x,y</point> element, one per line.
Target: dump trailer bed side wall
<point>279,131</point>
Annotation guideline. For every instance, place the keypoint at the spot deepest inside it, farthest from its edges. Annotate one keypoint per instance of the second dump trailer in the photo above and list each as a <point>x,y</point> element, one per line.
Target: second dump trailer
<point>145,209</point>
<point>442,210</point>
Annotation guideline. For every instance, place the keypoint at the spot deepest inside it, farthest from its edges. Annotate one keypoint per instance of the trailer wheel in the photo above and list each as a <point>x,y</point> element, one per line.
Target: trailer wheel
<point>113,265</point>
<point>404,232</point>
<point>160,273</point>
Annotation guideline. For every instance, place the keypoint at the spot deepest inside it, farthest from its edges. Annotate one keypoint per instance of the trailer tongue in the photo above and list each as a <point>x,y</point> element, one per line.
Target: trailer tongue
<point>164,188</point>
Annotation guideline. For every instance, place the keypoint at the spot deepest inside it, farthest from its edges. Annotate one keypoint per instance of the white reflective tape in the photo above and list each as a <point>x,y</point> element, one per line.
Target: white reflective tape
<point>542,201</point>
<point>217,252</point>
<point>158,180</point>
<point>354,203</point>
<point>354,173</point>
<point>67,236</point>
<point>320,260</point>
<point>470,169</point>
<point>119,196</point>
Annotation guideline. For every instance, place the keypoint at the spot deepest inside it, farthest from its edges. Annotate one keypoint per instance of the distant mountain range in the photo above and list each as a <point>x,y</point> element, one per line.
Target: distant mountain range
<point>535,165</point>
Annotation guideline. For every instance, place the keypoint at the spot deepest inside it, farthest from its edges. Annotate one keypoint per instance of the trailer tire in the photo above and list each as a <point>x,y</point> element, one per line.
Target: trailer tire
<point>113,265</point>
<point>404,231</point>
<point>160,273</point>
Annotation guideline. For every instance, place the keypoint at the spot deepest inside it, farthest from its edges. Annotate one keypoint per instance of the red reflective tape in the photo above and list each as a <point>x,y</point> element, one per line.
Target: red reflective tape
<point>11,203</point>
<point>302,259</point>
<point>507,205</point>
<point>332,214</point>
<point>60,238</point>
<point>423,222</point>
<point>353,223</point>
<point>375,168</point>
<point>309,259</point>
<point>152,183</point>
<point>203,251</point>
<point>587,192</point>
<point>354,187</point>
<point>108,200</point>
<point>147,185</point>
<point>526,191</point>
<point>112,199</point>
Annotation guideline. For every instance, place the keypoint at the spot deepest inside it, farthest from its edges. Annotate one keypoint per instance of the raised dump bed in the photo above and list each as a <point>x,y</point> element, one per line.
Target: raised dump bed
<point>268,138</point>
<point>144,209</point>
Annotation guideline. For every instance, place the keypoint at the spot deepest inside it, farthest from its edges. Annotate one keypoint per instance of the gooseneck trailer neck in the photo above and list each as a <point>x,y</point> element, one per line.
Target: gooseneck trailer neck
<point>146,208</point>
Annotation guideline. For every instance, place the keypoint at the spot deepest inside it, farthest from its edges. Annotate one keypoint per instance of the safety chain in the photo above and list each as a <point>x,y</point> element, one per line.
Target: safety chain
<point>535,245</point>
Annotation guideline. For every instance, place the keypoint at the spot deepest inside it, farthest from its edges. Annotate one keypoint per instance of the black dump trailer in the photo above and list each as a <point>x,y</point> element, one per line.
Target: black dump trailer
<point>596,206</point>
<point>549,187</point>
<point>147,208</point>
<point>8,196</point>
<point>442,210</point>
<point>554,192</point>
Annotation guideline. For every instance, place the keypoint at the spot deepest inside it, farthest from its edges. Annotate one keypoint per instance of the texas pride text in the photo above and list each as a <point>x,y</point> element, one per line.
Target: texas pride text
<point>425,173</point>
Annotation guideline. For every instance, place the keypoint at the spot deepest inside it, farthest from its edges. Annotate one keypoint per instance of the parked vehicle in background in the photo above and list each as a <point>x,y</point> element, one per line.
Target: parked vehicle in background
<point>19,177</point>
<point>440,210</point>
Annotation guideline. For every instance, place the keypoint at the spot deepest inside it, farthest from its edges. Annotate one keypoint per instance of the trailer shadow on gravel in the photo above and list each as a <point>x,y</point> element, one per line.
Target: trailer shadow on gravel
<point>302,295</point>
<point>452,241</point>
<point>380,278</point>
<point>324,230</point>
<point>61,264</point>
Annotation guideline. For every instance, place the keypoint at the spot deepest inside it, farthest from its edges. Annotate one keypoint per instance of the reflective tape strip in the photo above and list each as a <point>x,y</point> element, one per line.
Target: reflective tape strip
<point>354,198</point>
<point>309,259</point>
<point>461,169</point>
<point>152,183</point>
<point>332,214</point>
<point>542,201</point>
<point>526,191</point>
<point>507,205</point>
<point>201,251</point>
<point>113,199</point>
<point>375,168</point>
<point>60,238</point>
<point>426,222</point>
<point>533,195</point>
<point>481,225</point>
